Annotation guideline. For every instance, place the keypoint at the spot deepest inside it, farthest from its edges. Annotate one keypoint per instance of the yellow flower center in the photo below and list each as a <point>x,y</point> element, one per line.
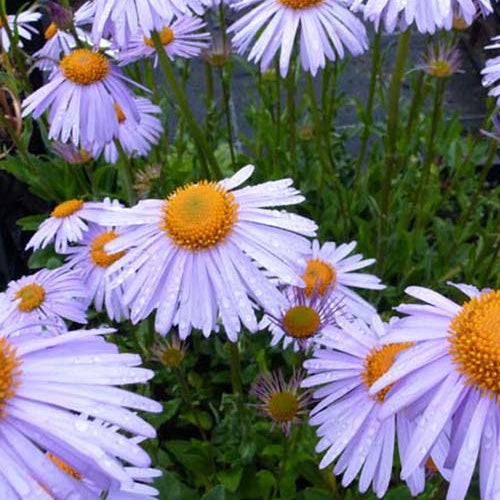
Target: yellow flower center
<point>64,466</point>
<point>283,406</point>
<point>32,296</point>
<point>84,67</point>
<point>199,216</point>
<point>172,356</point>
<point>120,115</point>
<point>9,373</point>
<point>98,255</point>
<point>319,275</point>
<point>378,362</point>
<point>51,31</point>
<point>300,4</point>
<point>166,36</point>
<point>440,69</point>
<point>67,208</point>
<point>475,342</point>
<point>301,322</point>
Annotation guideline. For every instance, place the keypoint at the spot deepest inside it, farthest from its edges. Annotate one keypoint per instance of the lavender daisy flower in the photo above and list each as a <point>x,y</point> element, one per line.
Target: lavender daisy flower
<point>304,317</point>
<point>122,19</point>
<point>59,41</point>
<point>441,61</point>
<point>491,72</point>
<point>199,253</point>
<point>21,24</point>
<point>52,393</point>
<point>323,28</point>
<point>455,369</point>
<point>428,15</point>
<point>351,431</point>
<point>91,262</point>
<point>71,153</point>
<point>281,400</point>
<point>68,223</point>
<point>181,38</point>
<point>81,94</point>
<point>170,353</point>
<point>328,270</point>
<point>135,137</point>
<point>53,295</point>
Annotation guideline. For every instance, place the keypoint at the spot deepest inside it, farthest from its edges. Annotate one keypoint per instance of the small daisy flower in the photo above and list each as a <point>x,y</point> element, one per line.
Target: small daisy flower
<point>122,19</point>
<point>303,318</point>
<point>68,223</point>
<point>329,270</point>
<point>53,295</point>
<point>170,353</point>
<point>323,28</point>
<point>71,153</point>
<point>81,95</point>
<point>281,400</point>
<point>198,253</point>
<point>59,41</point>
<point>184,37</point>
<point>455,369</point>
<point>52,393</point>
<point>219,52</point>
<point>91,261</point>
<point>441,61</point>
<point>351,431</point>
<point>21,24</point>
<point>135,137</point>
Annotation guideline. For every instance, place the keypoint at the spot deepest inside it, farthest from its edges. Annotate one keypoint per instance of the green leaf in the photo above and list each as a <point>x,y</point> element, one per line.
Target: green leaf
<point>216,493</point>
<point>231,478</point>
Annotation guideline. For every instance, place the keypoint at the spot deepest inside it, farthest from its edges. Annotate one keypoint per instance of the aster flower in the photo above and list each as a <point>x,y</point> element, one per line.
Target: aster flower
<point>170,353</point>
<point>441,61</point>
<point>90,261</point>
<point>135,137</point>
<point>328,269</point>
<point>68,223</point>
<point>219,52</point>
<point>71,153</point>
<point>350,429</point>
<point>198,253</point>
<point>428,15</point>
<point>59,41</point>
<point>52,391</point>
<point>281,400</point>
<point>52,295</point>
<point>122,19</point>
<point>303,318</point>
<point>181,38</point>
<point>20,24</point>
<point>454,368</point>
<point>323,27</point>
<point>81,95</point>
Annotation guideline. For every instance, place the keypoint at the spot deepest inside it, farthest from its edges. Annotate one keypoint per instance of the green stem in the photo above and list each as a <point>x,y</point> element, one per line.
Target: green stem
<point>376,59</point>
<point>226,97</point>
<point>127,175</point>
<point>292,116</point>
<point>277,145</point>
<point>205,153</point>
<point>209,101</point>
<point>417,208</point>
<point>235,365</point>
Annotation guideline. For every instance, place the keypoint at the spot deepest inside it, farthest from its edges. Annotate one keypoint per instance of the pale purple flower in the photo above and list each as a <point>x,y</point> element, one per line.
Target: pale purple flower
<point>322,29</point>
<point>184,37</point>
<point>20,23</point>
<point>48,295</point>
<point>491,72</point>
<point>452,376</point>
<point>303,318</point>
<point>351,429</point>
<point>81,94</point>
<point>329,269</point>
<point>121,19</point>
<point>56,392</point>
<point>281,400</point>
<point>427,15</point>
<point>136,137</point>
<point>198,253</point>
<point>89,259</point>
<point>68,223</point>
